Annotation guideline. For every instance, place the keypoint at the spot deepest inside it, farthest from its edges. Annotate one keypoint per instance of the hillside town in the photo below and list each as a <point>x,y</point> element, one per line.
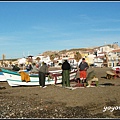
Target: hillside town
<point>102,56</point>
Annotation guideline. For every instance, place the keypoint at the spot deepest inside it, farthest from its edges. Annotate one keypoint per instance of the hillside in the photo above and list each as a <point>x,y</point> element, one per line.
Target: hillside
<point>78,49</point>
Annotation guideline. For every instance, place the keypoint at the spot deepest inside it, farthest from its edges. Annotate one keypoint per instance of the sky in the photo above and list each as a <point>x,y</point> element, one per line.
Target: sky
<point>33,27</point>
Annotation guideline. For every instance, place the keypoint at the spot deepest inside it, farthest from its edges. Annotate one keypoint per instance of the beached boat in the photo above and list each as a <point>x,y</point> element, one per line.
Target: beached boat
<point>116,67</point>
<point>2,77</point>
<point>14,78</point>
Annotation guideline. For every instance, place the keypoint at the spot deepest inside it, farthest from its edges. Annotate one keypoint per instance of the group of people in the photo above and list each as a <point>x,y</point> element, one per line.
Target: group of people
<point>35,68</point>
<point>66,68</point>
<point>81,72</point>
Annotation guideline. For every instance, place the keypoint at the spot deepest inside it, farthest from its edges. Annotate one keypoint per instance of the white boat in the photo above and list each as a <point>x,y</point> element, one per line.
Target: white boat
<point>55,71</point>
<point>116,67</point>
<point>14,78</point>
<point>2,77</point>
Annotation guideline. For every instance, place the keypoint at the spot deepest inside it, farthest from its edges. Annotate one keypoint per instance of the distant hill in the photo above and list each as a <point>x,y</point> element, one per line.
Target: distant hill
<point>78,49</point>
<point>64,51</point>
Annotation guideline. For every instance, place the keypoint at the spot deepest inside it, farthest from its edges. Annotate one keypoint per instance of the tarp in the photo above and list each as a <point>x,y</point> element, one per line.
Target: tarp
<point>22,61</point>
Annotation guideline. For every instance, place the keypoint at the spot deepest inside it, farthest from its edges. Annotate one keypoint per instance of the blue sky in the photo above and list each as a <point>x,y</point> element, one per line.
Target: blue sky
<point>30,28</point>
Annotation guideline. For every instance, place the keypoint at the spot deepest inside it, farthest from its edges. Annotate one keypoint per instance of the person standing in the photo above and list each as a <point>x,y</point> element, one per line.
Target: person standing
<point>34,68</point>
<point>15,67</point>
<point>78,75</point>
<point>66,74</point>
<point>29,67</point>
<point>83,66</point>
<point>43,70</point>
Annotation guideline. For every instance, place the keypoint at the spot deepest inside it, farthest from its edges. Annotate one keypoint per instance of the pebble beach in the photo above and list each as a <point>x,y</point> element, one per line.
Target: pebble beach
<point>54,101</point>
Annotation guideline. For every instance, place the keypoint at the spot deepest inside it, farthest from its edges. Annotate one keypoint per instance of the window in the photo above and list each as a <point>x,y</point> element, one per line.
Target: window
<point>109,64</point>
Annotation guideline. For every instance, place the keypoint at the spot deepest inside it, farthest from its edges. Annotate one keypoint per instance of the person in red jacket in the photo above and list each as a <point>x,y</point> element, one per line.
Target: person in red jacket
<point>83,66</point>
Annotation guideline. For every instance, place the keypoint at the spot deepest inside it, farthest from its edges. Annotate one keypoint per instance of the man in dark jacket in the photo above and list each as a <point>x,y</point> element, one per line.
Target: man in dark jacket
<point>43,70</point>
<point>66,74</point>
<point>15,67</point>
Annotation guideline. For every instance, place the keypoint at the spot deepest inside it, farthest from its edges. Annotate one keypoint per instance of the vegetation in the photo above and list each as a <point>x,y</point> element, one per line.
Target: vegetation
<point>77,56</point>
<point>38,59</point>
<point>52,57</point>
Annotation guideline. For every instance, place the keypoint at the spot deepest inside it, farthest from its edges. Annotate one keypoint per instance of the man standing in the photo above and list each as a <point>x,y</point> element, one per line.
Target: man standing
<point>42,72</point>
<point>34,68</point>
<point>66,74</point>
<point>83,71</point>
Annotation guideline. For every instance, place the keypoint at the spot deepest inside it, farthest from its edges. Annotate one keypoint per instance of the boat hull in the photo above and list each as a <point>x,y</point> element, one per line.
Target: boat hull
<point>14,78</point>
<point>2,77</point>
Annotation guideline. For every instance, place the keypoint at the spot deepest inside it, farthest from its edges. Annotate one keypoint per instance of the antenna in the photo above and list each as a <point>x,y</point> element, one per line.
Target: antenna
<point>23,54</point>
<point>105,42</point>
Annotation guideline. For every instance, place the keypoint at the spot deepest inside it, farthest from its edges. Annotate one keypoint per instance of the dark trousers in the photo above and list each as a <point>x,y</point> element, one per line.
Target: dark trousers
<point>66,78</point>
<point>42,79</point>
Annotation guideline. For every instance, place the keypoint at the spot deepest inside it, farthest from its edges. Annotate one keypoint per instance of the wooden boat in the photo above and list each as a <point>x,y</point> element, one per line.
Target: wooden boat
<point>14,78</point>
<point>116,67</point>
<point>114,73</point>
<point>110,74</point>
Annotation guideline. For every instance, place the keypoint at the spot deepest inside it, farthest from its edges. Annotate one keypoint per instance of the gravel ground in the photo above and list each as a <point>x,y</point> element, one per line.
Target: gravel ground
<point>55,101</point>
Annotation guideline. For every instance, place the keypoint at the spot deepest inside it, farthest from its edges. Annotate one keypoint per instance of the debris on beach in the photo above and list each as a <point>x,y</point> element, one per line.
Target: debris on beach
<point>108,84</point>
<point>2,87</point>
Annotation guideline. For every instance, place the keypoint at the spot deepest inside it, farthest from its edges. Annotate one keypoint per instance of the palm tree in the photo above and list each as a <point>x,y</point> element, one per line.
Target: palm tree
<point>10,62</point>
<point>52,57</point>
<point>77,57</point>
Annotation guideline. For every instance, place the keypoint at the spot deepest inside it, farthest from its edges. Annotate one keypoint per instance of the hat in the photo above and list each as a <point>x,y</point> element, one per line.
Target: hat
<point>83,58</point>
<point>65,60</point>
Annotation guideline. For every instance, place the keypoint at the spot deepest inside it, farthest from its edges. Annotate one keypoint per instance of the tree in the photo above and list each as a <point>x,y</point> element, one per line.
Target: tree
<point>52,59</point>
<point>10,62</point>
<point>57,55</point>
<point>38,59</point>
<point>77,56</point>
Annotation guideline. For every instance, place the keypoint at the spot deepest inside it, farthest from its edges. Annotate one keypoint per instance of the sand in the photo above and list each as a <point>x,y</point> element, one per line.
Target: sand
<point>54,101</point>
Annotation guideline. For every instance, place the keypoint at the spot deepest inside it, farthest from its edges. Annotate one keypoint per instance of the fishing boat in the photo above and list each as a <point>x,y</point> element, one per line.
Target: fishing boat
<point>2,77</point>
<point>14,78</point>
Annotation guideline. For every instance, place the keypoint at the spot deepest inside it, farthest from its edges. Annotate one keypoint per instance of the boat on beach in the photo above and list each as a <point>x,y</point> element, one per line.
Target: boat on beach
<point>2,77</point>
<point>14,78</point>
